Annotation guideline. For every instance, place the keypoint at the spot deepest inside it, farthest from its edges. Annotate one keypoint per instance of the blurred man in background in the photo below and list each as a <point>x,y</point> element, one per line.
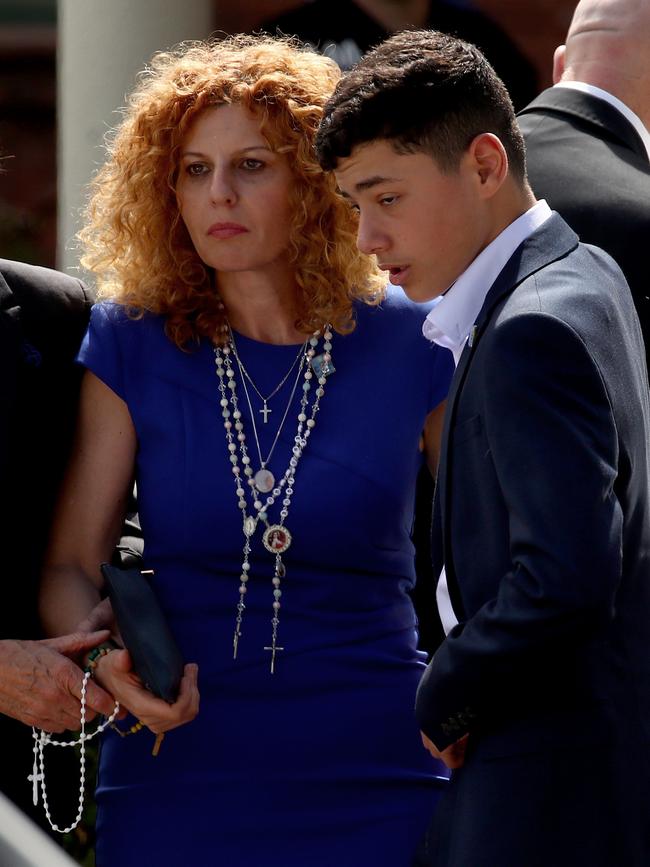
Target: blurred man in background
<point>588,140</point>
<point>346,29</point>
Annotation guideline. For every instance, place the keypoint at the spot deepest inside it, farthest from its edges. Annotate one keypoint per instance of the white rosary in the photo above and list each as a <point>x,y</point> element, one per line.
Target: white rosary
<point>276,537</point>
<point>42,739</point>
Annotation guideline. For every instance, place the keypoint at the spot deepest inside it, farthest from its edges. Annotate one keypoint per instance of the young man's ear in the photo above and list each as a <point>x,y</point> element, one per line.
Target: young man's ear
<point>490,162</point>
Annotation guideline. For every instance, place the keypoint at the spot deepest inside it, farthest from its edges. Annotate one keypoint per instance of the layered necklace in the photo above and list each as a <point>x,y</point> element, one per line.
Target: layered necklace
<point>258,490</point>
<point>265,411</point>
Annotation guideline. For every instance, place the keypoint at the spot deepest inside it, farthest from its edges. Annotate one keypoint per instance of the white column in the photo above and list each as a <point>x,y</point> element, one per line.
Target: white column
<point>23,844</point>
<point>102,44</point>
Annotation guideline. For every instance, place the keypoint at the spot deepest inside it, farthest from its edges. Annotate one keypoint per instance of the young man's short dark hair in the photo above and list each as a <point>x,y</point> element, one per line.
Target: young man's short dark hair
<point>423,91</point>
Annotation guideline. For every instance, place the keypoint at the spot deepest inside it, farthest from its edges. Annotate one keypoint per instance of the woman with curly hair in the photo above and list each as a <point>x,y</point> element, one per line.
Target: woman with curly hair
<point>248,368</point>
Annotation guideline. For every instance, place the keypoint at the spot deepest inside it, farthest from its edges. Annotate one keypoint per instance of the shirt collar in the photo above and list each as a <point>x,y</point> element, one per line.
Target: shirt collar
<point>450,321</point>
<point>616,103</point>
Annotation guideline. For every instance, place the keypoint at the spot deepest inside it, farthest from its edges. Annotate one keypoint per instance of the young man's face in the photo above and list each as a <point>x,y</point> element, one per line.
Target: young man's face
<point>424,226</point>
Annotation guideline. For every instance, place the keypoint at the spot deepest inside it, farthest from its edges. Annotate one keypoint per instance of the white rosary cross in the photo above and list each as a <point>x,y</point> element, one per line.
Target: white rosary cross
<point>35,778</point>
<point>265,412</point>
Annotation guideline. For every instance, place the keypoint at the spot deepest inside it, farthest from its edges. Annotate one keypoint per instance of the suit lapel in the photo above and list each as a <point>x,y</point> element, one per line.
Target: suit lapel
<point>609,122</point>
<point>553,240</point>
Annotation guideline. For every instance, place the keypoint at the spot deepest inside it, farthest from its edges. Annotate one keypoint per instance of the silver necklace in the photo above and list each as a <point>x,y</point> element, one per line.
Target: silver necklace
<point>264,478</point>
<point>276,538</point>
<point>265,411</point>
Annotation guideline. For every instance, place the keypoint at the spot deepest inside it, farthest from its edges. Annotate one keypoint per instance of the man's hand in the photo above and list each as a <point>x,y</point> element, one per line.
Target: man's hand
<point>41,686</point>
<point>453,756</point>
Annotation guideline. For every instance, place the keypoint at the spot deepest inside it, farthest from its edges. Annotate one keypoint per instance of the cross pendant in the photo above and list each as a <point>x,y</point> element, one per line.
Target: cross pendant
<point>273,648</point>
<point>265,412</point>
<point>235,642</point>
<point>35,778</point>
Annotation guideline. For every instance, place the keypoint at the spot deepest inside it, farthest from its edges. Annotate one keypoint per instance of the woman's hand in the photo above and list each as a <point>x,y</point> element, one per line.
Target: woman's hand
<point>114,672</point>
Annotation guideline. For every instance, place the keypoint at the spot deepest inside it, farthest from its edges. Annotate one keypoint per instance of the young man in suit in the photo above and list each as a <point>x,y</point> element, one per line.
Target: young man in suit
<point>588,137</point>
<point>43,315</point>
<point>539,697</point>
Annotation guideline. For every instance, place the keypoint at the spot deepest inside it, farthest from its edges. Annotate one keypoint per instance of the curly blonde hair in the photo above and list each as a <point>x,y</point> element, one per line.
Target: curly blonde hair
<point>135,240</point>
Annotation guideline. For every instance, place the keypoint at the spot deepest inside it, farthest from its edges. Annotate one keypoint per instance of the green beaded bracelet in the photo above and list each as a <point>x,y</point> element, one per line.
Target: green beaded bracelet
<point>96,654</point>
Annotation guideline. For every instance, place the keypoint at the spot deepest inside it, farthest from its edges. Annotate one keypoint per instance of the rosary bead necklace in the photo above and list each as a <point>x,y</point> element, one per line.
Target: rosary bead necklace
<point>276,537</point>
<point>42,739</point>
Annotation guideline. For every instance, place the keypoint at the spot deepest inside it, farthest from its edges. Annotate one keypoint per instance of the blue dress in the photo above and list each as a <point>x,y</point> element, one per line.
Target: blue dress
<point>320,763</point>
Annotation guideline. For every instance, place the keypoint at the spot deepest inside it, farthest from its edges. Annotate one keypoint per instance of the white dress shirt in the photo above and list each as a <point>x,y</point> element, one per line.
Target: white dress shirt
<point>451,320</point>
<point>616,103</point>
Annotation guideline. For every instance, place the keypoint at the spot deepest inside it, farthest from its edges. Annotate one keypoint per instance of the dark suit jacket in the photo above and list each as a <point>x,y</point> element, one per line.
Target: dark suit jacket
<point>43,315</point>
<point>589,162</point>
<point>543,515</point>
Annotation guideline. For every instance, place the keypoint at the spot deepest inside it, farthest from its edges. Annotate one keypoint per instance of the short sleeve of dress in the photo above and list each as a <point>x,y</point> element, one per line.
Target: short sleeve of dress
<point>100,350</point>
<point>442,369</point>
<point>426,368</point>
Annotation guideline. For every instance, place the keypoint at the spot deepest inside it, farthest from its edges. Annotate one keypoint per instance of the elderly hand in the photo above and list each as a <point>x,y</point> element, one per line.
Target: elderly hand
<point>41,686</point>
<point>453,756</point>
<point>115,672</point>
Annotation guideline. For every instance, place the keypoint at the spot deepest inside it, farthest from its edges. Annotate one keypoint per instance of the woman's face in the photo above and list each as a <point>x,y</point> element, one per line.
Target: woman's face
<point>233,192</point>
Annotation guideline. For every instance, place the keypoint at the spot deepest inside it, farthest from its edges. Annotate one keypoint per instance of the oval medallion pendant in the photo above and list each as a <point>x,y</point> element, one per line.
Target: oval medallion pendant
<point>249,526</point>
<point>264,481</point>
<point>276,539</point>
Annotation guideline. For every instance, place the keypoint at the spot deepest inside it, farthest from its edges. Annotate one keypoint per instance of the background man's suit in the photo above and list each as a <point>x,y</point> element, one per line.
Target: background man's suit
<point>542,514</point>
<point>43,316</point>
<point>590,164</point>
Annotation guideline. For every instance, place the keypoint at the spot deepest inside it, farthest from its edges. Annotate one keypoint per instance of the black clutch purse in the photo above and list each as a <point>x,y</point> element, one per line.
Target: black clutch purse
<point>156,657</point>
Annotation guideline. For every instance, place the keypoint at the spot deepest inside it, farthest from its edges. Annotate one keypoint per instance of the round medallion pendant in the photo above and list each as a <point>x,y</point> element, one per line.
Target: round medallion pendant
<point>276,539</point>
<point>264,481</point>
